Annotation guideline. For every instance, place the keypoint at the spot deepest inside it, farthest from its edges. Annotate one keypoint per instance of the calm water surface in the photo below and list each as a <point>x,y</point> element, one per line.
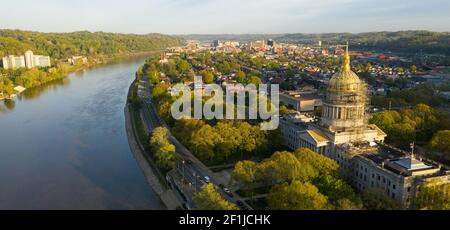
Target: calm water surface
<point>64,145</point>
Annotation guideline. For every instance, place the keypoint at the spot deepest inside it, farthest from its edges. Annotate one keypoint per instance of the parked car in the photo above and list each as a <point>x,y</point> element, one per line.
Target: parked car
<point>227,191</point>
<point>207,179</point>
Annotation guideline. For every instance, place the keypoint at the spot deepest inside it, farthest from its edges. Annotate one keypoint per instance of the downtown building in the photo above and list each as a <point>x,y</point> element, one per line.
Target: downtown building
<point>29,60</point>
<point>344,135</point>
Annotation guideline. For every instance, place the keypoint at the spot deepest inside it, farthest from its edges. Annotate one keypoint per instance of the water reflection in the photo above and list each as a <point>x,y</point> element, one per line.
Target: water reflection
<point>7,106</point>
<point>64,145</point>
<point>36,92</point>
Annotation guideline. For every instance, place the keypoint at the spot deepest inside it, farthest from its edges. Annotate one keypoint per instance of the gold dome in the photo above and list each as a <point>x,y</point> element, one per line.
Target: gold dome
<point>345,80</point>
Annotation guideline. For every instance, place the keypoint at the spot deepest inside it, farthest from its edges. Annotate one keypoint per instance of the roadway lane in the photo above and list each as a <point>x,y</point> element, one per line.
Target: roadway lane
<point>195,171</point>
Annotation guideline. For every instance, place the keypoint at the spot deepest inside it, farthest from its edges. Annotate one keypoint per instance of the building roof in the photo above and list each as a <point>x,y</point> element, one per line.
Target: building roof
<point>317,135</point>
<point>379,131</point>
<point>345,80</point>
<point>411,164</point>
<point>400,163</point>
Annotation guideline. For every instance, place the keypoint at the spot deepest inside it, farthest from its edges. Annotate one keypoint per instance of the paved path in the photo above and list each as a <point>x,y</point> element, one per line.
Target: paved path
<point>150,176</point>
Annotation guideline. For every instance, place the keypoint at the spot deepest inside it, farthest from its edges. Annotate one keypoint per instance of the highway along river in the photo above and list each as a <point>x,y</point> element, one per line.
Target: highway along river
<point>64,145</point>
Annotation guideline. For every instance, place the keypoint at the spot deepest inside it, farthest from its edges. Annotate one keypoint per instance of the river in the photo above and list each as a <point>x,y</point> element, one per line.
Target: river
<point>64,146</point>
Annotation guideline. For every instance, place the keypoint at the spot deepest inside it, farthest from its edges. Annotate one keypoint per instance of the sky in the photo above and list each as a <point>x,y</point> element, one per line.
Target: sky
<point>225,16</point>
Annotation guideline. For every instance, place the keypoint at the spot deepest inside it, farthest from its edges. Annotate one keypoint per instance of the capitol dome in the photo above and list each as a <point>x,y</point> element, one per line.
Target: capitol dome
<point>345,80</point>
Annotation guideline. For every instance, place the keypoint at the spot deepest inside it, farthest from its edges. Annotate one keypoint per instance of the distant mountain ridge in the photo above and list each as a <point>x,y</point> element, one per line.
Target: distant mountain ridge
<point>63,45</point>
<point>412,41</point>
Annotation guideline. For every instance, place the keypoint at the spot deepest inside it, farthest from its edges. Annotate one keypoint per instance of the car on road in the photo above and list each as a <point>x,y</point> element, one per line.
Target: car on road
<point>207,179</point>
<point>226,190</point>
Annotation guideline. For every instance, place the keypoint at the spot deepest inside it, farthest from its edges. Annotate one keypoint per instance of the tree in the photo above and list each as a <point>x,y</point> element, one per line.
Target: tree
<point>6,87</point>
<point>164,151</point>
<point>244,172</point>
<point>321,164</point>
<point>255,80</point>
<point>183,66</point>
<point>184,128</point>
<point>166,156</point>
<point>284,167</point>
<point>441,142</point>
<point>284,110</point>
<point>433,196</point>
<point>208,77</point>
<point>402,134</point>
<point>368,67</point>
<point>296,196</point>
<point>240,76</point>
<point>376,199</point>
<point>210,199</point>
<point>153,77</point>
<point>159,136</point>
<point>272,65</point>
<point>413,69</point>
<point>339,193</point>
<point>229,141</point>
<point>203,142</point>
<point>164,111</point>
<point>384,120</point>
<point>252,137</point>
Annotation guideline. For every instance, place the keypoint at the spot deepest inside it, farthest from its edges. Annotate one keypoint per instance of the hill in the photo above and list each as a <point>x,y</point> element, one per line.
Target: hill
<point>63,45</point>
<point>400,41</point>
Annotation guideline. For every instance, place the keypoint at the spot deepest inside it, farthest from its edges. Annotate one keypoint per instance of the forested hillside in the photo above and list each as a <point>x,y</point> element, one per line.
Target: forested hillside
<point>62,45</point>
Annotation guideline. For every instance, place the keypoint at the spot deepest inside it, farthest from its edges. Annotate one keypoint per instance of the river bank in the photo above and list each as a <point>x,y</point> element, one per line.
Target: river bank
<point>77,154</point>
<point>154,177</point>
<point>63,70</point>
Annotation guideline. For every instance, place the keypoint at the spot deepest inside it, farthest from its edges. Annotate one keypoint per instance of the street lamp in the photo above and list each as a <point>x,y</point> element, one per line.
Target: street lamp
<point>183,169</point>
<point>195,182</point>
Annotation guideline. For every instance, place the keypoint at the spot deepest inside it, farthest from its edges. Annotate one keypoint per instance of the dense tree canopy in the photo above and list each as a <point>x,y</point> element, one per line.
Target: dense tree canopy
<point>210,199</point>
<point>63,45</point>
<point>286,172</point>
<point>377,199</point>
<point>418,124</point>
<point>221,141</point>
<point>441,142</point>
<point>296,196</point>
<point>433,196</point>
<point>164,151</point>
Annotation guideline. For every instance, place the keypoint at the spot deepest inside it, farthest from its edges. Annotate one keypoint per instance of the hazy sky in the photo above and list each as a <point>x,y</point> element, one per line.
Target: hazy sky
<point>225,16</point>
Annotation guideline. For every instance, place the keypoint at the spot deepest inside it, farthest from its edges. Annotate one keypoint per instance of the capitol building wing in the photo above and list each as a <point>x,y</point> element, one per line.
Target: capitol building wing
<point>343,134</point>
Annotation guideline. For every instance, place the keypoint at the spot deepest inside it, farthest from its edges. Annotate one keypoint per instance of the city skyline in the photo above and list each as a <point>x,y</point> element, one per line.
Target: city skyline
<point>219,17</point>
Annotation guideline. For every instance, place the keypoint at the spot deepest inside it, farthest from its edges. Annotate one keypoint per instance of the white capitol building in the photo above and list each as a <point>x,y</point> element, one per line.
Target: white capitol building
<point>343,134</point>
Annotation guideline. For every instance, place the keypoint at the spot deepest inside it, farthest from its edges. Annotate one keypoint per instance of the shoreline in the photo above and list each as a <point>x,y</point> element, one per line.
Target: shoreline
<point>102,61</point>
<point>166,195</point>
<point>138,155</point>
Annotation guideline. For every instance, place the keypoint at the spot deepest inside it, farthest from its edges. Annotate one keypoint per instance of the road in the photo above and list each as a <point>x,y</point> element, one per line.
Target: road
<point>190,167</point>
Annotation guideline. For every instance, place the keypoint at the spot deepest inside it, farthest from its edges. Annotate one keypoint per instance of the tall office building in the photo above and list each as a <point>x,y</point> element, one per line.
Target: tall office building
<point>216,43</point>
